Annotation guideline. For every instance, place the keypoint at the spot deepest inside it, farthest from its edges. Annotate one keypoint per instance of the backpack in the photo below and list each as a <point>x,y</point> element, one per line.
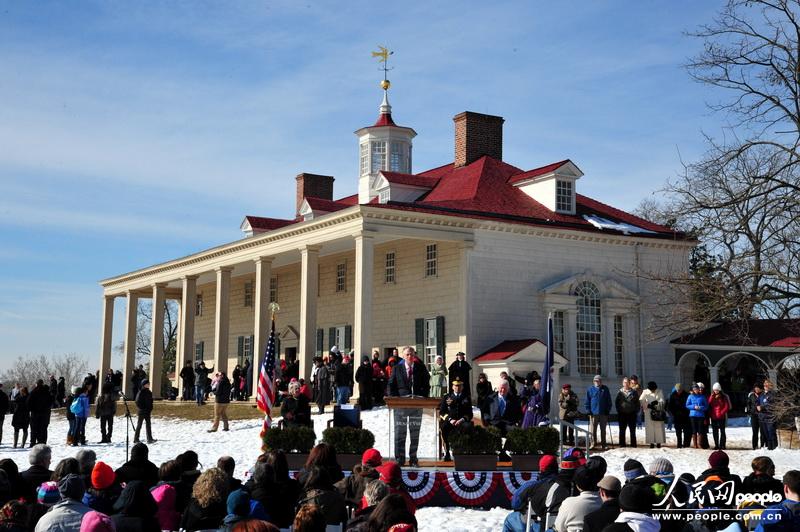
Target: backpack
<point>75,407</point>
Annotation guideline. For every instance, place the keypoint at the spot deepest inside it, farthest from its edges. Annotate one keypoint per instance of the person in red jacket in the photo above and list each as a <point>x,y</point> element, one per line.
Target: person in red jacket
<point>718,406</point>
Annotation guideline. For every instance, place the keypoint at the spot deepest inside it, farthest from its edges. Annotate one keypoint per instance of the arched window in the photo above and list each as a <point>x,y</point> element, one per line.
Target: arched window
<point>588,329</point>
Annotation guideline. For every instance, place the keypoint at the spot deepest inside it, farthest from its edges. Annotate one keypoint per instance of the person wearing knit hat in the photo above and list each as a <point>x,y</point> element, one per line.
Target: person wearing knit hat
<point>67,513</point>
<point>144,407</point>
<point>568,411</point>
<point>547,463</point>
<point>718,406</point>
<point>103,489</point>
<point>662,468</point>
<point>697,404</point>
<point>238,506</point>
<point>718,459</point>
<point>97,522</point>
<point>718,471</point>
<point>390,475</point>
<point>633,469</point>
<point>48,494</point>
<point>352,487</point>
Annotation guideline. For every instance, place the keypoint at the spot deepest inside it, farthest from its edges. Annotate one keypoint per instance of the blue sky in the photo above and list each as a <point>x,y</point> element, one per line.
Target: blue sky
<point>136,132</point>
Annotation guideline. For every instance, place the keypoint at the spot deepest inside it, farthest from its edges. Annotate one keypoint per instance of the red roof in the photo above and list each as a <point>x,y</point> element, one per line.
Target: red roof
<point>536,172</point>
<point>385,119</point>
<point>319,204</point>
<point>410,179</point>
<point>267,224</point>
<point>752,333</point>
<point>505,350</point>
<point>349,200</point>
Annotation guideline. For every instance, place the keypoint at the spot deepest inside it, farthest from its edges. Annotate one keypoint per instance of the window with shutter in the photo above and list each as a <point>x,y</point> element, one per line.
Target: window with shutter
<point>419,334</point>
<point>320,341</point>
<point>348,338</point>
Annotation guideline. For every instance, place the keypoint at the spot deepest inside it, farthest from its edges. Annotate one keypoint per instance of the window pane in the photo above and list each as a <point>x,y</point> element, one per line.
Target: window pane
<point>430,260</point>
<point>396,162</point>
<point>619,345</point>
<point>588,329</point>
<point>273,289</point>
<point>564,196</point>
<point>364,158</point>
<point>390,267</point>
<point>430,341</point>
<point>248,294</point>
<point>558,337</point>
<point>341,275</point>
<point>378,156</point>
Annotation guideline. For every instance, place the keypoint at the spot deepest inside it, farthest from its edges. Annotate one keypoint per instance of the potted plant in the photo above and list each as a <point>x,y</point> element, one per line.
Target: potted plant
<point>527,446</point>
<point>475,448</point>
<point>296,442</point>
<point>349,443</point>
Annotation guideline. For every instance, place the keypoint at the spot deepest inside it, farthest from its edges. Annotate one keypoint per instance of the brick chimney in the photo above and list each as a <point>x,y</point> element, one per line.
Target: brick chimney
<point>315,186</point>
<point>478,135</point>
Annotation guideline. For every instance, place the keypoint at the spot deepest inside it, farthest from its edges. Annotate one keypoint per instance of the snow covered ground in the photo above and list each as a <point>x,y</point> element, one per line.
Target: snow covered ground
<point>242,442</point>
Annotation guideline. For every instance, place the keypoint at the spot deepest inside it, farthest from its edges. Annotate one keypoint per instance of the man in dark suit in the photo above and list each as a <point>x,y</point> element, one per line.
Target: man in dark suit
<point>504,409</point>
<point>409,377</point>
<point>455,413</point>
<point>459,371</point>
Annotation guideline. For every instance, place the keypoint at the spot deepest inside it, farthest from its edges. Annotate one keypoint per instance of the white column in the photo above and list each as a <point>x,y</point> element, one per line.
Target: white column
<point>157,340</point>
<point>362,322</point>
<point>309,286</point>
<point>222,318</point>
<point>466,340</point>
<point>106,337</point>
<point>187,310</point>
<point>773,377</point>
<point>262,318</point>
<point>571,340</point>
<point>713,376</point>
<point>129,358</point>
<point>629,362</point>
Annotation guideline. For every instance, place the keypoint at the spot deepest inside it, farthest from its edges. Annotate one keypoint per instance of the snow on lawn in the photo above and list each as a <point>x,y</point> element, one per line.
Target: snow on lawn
<point>242,442</point>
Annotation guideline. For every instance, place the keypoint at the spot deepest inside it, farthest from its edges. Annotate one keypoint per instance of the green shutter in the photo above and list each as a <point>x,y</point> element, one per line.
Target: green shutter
<point>331,337</point>
<point>252,348</point>
<point>320,341</point>
<point>348,338</point>
<point>240,347</point>
<point>419,334</point>
<point>440,337</point>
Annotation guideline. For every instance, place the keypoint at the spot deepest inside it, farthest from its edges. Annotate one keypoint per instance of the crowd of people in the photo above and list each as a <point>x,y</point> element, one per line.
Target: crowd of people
<point>575,494</point>
<point>86,494</point>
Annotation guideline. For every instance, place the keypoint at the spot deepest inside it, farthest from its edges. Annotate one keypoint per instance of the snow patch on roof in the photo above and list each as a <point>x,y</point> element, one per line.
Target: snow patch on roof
<point>604,223</point>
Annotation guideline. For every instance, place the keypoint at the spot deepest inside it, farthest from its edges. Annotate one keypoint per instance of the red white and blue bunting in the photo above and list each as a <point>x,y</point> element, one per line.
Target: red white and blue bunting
<point>470,488</point>
<point>421,485</point>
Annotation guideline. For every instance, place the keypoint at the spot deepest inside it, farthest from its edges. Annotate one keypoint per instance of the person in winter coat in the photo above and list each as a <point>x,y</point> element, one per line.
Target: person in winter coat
<point>236,375</point>
<point>765,415</point>
<point>222,397</point>
<point>598,405</point>
<point>627,403</point>
<point>751,409</point>
<point>718,406</point>
<point>697,405</point>
<point>352,487</point>
<point>14,516</point>
<point>272,485</point>
<point>378,379</point>
<point>138,467</point>
<point>200,382</point>
<point>762,480</point>
<point>296,410</point>
<point>238,507</point>
<point>483,390</point>
<point>504,410</point>
<point>72,422</point>
<point>39,405</point>
<point>534,410</point>
<point>438,373</point>
<point>608,488</point>
<point>654,407</point>
<point>343,379</point>
<point>61,391</point>
<point>786,515</point>
<point>321,382</point>
<point>719,471</point>
<point>574,509</point>
<point>135,510</point>
<point>22,417</point>
<point>165,496</point>
<point>318,490</point>
<point>80,408</point>
<point>460,370</point>
<point>374,492</point>
<point>4,408</point>
<point>568,411</point>
<point>676,405</point>
<point>208,506</point>
<point>105,410</point>
<point>187,376</point>
<point>144,407</point>
<point>364,380</point>
<point>103,491</point>
<point>65,515</point>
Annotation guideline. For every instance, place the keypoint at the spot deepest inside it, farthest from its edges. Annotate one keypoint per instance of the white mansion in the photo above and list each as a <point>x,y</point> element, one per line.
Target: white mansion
<point>463,257</point>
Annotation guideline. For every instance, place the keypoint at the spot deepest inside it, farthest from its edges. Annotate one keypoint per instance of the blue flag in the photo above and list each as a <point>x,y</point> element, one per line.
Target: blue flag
<point>547,377</point>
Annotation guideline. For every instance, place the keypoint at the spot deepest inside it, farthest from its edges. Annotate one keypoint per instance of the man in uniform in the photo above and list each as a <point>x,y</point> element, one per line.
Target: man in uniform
<point>455,413</point>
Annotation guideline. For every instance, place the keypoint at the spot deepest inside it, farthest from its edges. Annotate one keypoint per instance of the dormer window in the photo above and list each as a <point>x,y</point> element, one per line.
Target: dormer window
<point>383,195</point>
<point>565,196</point>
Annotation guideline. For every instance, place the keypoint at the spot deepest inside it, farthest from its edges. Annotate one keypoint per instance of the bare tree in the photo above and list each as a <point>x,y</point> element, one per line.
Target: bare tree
<point>26,370</point>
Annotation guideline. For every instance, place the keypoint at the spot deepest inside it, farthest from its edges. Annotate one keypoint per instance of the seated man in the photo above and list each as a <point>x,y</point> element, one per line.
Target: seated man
<point>455,413</point>
<point>296,409</point>
<point>504,409</point>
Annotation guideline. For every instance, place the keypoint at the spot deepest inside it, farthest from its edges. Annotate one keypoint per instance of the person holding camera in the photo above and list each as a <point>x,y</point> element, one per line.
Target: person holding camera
<point>652,400</point>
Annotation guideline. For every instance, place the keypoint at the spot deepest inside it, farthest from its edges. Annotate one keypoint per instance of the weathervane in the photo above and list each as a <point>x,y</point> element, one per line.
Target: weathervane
<point>383,54</point>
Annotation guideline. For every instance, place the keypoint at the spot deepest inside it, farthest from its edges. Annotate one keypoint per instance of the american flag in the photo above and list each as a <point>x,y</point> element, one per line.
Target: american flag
<point>265,396</point>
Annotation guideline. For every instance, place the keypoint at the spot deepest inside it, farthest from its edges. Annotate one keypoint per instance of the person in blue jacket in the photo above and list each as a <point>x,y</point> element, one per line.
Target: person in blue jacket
<point>786,515</point>
<point>697,405</point>
<point>598,405</point>
<point>80,407</point>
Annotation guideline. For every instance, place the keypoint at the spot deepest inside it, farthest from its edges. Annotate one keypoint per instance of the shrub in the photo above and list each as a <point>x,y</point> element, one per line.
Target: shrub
<point>476,440</point>
<point>290,439</point>
<point>534,440</point>
<point>348,440</point>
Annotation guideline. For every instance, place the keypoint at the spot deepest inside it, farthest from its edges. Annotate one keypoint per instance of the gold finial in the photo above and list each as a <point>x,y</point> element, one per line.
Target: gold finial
<point>383,54</point>
<point>273,309</point>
